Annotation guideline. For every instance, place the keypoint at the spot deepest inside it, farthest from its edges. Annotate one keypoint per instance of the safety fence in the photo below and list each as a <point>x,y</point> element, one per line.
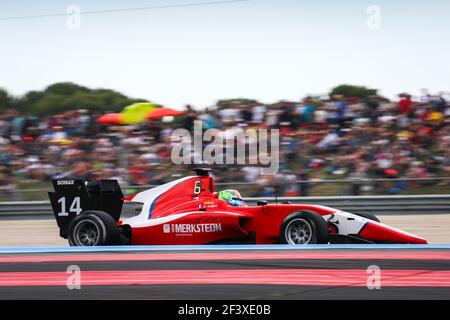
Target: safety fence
<point>310,188</point>
<point>381,205</point>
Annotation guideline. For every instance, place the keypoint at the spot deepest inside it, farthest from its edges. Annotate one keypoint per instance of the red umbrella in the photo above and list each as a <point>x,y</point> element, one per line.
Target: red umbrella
<point>115,118</point>
<point>163,112</point>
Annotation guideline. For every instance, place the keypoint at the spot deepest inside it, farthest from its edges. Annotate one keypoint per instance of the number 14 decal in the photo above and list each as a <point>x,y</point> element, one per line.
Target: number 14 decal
<point>74,207</point>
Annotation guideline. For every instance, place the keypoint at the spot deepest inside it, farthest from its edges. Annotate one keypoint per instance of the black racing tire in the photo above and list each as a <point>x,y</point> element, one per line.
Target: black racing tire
<point>92,228</point>
<point>366,215</point>
<point>311,229</point>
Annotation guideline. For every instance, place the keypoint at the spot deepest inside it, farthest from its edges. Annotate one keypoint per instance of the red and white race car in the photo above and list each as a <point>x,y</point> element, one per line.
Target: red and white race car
<point>188,211</point>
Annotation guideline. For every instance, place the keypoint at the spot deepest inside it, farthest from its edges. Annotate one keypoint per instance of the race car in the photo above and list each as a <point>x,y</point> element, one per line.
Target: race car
<point>188,211</point>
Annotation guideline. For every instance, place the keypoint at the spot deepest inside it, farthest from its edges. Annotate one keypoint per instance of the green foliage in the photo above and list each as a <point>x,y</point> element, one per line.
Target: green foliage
<point>65,96</point>
<point>65,88</point>
<point>228,102</point>
<point>349,91</point>
<point>5,99</point>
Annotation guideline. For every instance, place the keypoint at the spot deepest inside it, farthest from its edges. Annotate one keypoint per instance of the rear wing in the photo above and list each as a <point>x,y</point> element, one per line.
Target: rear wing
<point>73,196</point>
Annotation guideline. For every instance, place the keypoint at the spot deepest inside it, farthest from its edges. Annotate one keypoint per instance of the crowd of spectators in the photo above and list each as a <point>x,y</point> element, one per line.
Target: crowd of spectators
<point>355,139</point>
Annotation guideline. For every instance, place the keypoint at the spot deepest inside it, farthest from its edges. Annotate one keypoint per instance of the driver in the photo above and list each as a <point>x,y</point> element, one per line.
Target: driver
<point>233,197</point>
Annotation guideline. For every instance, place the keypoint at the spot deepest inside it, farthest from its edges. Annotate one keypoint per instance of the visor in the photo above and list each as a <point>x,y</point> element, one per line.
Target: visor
<point>236,202</point>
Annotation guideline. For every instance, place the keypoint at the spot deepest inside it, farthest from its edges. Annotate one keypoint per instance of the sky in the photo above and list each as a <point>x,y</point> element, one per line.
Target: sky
<point>268,50</point>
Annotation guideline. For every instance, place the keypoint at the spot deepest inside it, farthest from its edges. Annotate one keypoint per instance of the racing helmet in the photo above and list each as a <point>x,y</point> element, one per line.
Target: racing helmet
<point>232,196</point>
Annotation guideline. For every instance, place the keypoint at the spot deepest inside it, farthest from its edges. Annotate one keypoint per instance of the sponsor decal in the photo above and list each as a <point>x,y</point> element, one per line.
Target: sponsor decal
<point>166,228</point>
<point>192,227</point>
<point>65,182</point>
<point>207,204</point>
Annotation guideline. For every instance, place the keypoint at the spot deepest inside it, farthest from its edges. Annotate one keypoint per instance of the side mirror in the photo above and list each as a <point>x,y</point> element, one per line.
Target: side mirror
<point>261,203</point>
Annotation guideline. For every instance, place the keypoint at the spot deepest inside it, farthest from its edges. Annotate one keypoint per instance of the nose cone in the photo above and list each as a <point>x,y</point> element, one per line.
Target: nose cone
<point>375,231</point>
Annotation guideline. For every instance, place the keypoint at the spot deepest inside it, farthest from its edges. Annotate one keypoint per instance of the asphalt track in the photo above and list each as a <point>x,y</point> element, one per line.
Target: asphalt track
<point>433,227</point>
<point>227,272</point>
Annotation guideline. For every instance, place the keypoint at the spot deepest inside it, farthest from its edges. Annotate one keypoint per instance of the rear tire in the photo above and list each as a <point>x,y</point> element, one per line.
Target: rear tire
<point>304,227</point>
<point>92,228</point>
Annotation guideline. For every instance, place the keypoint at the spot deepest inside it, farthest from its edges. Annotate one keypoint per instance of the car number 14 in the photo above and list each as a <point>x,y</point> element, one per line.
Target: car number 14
<point>74,207</point>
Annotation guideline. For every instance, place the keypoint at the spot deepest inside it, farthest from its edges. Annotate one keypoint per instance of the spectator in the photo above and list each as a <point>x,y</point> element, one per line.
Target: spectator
<point>356,139</point>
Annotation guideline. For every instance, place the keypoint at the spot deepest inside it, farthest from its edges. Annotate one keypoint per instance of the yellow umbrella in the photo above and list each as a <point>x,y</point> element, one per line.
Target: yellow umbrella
<point>136,112</point>
<point>61,141</point>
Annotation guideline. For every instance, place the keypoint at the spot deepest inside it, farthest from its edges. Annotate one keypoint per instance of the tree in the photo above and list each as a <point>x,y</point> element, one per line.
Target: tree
<point>242,101</point>
<point>350,91</point>
<point>5,100</point>
<point>65,96</point>
<point>65,88</point>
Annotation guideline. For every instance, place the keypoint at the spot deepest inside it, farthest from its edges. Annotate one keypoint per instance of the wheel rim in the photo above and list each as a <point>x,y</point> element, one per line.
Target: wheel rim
<point>298,231</point>
<point>86,233</point>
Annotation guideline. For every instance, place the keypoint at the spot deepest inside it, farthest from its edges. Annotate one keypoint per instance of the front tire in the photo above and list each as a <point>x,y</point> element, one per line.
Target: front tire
<point>304,227</point>
<point>92,228</point>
